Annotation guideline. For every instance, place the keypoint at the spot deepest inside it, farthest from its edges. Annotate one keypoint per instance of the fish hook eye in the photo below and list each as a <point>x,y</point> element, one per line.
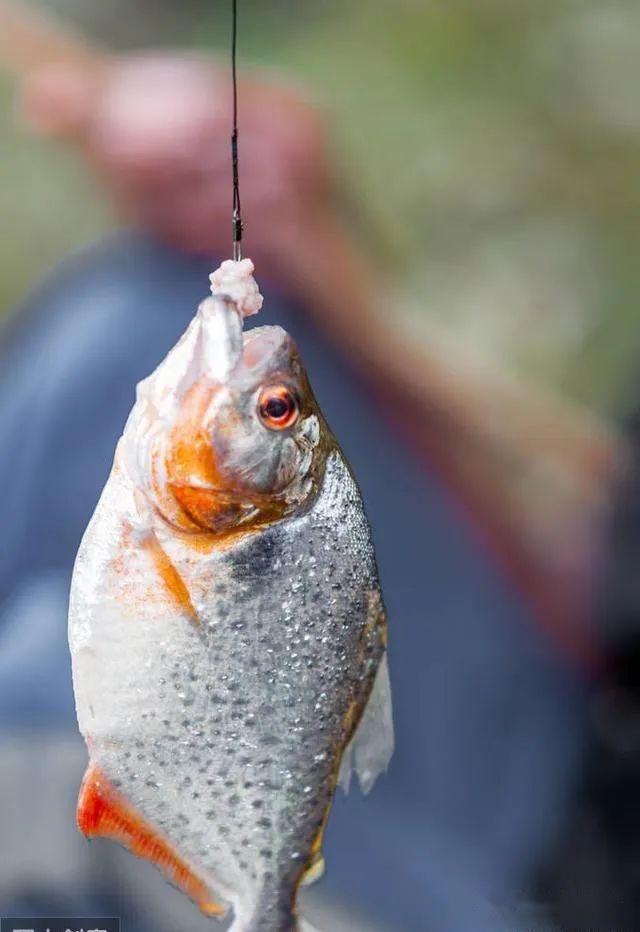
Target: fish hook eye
<point>278,407</point>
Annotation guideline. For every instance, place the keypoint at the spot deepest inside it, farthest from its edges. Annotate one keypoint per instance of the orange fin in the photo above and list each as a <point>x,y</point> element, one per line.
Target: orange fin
<point>103,811</point>
<point>170,576</point>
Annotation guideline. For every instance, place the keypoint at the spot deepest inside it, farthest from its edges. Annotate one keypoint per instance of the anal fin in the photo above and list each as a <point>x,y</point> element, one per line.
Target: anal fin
<point>102,811</point>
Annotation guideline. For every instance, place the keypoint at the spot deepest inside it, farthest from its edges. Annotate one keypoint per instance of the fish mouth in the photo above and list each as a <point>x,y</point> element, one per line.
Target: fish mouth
<point>224,348</point>
<point>267,349</point>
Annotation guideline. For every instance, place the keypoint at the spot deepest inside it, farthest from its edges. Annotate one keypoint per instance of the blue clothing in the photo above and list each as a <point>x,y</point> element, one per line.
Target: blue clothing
<point>488,720</point>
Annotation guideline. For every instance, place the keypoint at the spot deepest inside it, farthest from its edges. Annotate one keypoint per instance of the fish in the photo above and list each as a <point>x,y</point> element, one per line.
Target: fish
<point>227,628</point>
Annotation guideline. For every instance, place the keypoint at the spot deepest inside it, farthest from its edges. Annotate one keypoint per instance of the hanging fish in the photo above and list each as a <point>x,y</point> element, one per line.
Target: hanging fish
<point>226,624</point>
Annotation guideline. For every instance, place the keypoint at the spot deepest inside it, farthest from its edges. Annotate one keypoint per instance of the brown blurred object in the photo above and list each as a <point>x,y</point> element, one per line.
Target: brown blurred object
<point>35,47</point>
<point>535,471</point>
<point>30,38</point>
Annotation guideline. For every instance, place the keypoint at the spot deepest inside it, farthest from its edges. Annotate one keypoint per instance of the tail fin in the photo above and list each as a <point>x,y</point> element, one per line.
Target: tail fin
<point>244,924</point>
<point>269,915</point>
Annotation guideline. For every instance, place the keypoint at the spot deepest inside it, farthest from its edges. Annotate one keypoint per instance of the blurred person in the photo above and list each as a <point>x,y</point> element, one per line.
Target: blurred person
<point>491,711</point>
<point>593,878</point>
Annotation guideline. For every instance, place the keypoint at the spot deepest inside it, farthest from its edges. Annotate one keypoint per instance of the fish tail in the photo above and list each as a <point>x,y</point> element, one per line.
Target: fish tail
<point>267,914</point>
<point>254,923</point>
<point>261,924</point>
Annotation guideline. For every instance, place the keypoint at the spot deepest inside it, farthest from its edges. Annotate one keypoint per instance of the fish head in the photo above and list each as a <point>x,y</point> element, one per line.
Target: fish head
<point>243,441</point>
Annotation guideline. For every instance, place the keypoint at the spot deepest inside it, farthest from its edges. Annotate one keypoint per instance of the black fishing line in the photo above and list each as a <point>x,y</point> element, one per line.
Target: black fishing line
<point>236,222</point>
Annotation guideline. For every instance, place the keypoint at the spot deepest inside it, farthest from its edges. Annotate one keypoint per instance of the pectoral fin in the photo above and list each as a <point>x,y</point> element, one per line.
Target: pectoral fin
<point>173,581</point>
<point>102,811</point>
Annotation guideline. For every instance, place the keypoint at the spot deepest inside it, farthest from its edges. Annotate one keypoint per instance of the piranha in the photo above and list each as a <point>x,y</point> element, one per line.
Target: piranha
<point>226,624</point>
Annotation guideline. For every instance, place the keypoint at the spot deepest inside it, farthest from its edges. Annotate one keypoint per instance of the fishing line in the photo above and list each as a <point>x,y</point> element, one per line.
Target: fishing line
<point>236,222</point>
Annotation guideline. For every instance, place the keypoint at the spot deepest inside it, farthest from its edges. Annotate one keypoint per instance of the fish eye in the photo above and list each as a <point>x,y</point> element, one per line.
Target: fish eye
<point>278,407</point>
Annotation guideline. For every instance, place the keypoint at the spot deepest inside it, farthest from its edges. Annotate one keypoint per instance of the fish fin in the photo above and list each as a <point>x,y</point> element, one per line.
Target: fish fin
<point>173,581</point>
<point>102,811</point>
<point>314,871</point>
<point>371,748</point>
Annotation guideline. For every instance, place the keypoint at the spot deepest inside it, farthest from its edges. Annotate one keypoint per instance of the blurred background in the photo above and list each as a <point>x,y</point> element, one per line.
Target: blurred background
<point>479,169</point>
<point>485,153</point>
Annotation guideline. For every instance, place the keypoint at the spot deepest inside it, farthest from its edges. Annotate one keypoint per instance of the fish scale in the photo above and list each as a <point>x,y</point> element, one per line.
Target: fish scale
<point>298,665</point>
